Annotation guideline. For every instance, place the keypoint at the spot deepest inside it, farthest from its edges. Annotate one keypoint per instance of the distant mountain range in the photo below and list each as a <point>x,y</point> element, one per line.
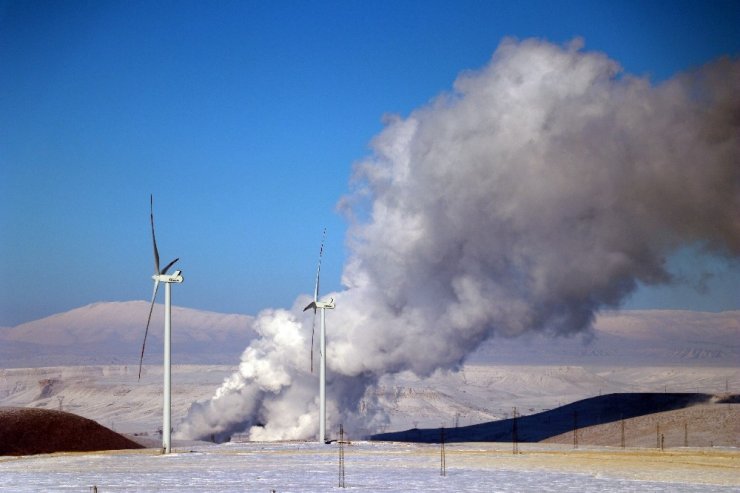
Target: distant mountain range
<point>630,338</point>
<point>111,333</point>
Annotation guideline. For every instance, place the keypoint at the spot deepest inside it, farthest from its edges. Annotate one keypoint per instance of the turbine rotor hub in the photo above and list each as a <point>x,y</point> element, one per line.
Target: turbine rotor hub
<point>174,277</point>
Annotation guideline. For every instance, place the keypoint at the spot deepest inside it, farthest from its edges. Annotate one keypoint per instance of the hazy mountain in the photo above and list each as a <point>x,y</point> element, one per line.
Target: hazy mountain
<point>630,338</point>
<point>111,333</point>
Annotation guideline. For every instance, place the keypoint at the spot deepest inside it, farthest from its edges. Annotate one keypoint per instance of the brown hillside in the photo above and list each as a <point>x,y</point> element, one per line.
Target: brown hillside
<point>27,431</point>
<point>703,425</point>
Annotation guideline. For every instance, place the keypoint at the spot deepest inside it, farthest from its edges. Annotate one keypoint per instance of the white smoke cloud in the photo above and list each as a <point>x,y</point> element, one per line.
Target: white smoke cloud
<point>544,187</point>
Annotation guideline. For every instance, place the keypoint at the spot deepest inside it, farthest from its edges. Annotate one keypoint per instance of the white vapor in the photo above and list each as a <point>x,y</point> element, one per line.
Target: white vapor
<point>543,188</point>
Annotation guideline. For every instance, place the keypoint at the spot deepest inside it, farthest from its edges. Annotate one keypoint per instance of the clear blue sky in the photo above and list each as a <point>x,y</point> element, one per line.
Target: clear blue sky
<point>244,120</point>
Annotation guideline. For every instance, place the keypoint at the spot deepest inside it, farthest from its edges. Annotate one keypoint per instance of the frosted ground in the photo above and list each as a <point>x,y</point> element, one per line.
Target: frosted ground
<point>112,395</point>
<point>529,374</point>
<point>85,361</point>
<point>310,467</point>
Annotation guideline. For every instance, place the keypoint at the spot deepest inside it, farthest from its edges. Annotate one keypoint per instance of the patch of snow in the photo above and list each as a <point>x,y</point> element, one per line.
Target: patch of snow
<point>310,467</point>
<point>112,395</point>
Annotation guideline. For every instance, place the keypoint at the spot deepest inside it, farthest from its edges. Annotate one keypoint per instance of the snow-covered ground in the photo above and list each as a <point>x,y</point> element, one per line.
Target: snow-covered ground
<point>113,396</point>
<point>530,374</point>
<point>310,467</point>
<point>479,393</point>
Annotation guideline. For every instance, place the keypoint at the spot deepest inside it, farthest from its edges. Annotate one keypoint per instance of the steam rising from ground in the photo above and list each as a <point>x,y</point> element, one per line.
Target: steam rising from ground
<point>543,188</point>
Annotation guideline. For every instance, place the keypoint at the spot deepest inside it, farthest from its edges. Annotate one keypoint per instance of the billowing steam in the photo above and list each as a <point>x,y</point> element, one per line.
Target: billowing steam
<point>543,188</point>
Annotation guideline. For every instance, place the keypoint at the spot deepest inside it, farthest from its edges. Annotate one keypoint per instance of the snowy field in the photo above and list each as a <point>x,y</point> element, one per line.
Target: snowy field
<point>112,395</point>
<point>310,467</point>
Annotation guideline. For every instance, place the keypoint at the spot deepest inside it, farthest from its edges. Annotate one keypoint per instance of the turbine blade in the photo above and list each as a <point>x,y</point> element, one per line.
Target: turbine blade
<point>167,267</point>
<point>321,353</point>
<point>154,238</point>
<point>148,320</point>
<point>316,295</point>
<point>318,270</point>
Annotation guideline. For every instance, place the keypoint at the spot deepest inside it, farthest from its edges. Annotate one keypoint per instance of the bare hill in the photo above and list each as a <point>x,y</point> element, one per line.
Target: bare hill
<point>586,413</point>
<point>703,425</point>
<point>26,431</point>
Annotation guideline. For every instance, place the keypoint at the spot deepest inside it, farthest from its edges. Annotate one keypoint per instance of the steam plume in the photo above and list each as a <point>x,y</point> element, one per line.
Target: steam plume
<point>544,187</point>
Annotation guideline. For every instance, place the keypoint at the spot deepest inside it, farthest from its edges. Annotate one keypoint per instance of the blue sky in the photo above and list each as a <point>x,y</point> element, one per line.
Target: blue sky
<point>244,120</point>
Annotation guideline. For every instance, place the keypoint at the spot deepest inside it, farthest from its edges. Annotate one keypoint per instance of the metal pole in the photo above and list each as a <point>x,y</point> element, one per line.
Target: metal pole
<point>166,411</point>
<point>685,434</point>
<point>341,457</point>
<point>322,380</point>
<point>442,456</point>
<point>514,434</point>
<point>575,429</point>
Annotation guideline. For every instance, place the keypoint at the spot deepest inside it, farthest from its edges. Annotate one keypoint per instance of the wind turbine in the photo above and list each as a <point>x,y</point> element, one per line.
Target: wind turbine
<point>160,275</point>
<point>323,306</point>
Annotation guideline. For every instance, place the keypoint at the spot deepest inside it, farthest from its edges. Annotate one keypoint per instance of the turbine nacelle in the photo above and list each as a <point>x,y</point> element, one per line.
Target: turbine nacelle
<point>320,304</point>
<point>326,304</point>
<point>174,277</point>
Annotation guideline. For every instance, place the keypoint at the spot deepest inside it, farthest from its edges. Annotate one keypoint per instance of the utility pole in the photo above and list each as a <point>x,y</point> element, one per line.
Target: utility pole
<point>442,458</point>
<point>515,433</point>
<point>575,429</point>
<point>341,457</point>
<point>685,434</point>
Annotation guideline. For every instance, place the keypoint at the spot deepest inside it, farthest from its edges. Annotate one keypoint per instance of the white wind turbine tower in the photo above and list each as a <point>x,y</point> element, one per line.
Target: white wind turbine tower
<point>160,275</point>
<point>321,305</point>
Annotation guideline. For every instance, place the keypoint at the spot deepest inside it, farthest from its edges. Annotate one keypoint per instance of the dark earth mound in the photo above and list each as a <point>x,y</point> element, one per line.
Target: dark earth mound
<point>540,426</point>
<point>28,431</point>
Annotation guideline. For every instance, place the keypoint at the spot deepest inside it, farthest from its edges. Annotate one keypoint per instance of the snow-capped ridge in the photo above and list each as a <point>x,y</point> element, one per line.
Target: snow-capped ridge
<point>111,332</point>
